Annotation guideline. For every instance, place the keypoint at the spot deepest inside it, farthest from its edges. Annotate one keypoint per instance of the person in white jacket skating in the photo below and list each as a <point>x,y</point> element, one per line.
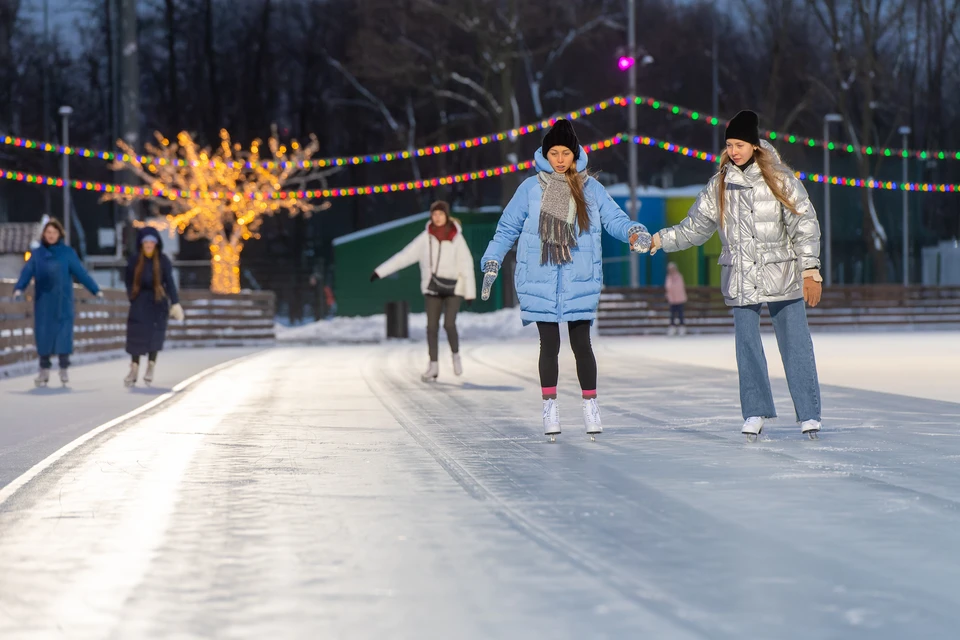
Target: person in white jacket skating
<point>447,278</point>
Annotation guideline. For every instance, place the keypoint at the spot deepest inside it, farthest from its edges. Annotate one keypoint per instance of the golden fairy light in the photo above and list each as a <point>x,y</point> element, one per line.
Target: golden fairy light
<point>193,194</point>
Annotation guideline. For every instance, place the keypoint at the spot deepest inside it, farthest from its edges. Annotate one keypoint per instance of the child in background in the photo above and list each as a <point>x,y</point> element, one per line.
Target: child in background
<point>676,298</point>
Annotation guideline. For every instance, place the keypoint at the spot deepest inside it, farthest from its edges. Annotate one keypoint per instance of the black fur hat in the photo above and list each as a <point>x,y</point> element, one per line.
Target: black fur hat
<point>744,126</point>
<point>562,135</point>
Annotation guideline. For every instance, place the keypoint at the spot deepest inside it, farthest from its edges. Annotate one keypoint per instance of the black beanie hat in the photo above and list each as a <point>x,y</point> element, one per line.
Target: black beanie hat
<point>744,126</point>
<point>563,135</point>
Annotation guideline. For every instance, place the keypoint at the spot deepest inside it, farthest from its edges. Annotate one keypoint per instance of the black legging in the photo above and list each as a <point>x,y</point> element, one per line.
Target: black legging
<point>152,357</point>
<point>582,350</point>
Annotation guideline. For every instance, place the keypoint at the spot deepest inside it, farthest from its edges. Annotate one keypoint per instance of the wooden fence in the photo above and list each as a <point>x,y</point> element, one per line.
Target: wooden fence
<point>101,324</point>
<point>625,311</point>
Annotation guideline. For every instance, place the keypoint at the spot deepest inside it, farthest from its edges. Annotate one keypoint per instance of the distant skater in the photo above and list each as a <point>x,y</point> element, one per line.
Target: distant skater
<point>53,267</point>
<point>447,278</point>
<point>153,299</point>
<point>676,292</point>
<point>556,218</point>
<point>771,254</point>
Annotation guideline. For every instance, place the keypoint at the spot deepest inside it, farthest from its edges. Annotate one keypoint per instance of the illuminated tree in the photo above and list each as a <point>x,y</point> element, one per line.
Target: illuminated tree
<point>221,196</point>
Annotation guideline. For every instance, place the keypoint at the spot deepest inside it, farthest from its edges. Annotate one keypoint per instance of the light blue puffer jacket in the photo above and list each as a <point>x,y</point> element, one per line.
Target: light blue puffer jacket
<point>557,293</point>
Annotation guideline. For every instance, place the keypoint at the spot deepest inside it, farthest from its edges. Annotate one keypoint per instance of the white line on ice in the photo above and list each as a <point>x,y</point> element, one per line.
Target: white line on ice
<point>21,481</point>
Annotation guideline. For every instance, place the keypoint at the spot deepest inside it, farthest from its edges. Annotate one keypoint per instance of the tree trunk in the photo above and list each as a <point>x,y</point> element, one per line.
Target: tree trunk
<point>216,112</point>
<point>225,263</point>
<point>508,147</point>
<point>8,69</point>
<point>170,16</point>
<point>257,90</point>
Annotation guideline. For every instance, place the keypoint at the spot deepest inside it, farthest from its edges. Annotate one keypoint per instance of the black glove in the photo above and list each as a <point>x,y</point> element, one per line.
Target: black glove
<point>469,303</point>
<point>374,277</point>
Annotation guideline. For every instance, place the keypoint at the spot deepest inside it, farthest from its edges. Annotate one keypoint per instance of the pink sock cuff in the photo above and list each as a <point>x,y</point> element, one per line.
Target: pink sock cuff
<point>549,391</point>
<point>590,394</point>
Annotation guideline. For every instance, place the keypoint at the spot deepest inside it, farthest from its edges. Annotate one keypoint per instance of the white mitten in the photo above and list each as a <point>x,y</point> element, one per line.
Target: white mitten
<point>490,271</point>
<point>643,241</point>
<point>176,312</point>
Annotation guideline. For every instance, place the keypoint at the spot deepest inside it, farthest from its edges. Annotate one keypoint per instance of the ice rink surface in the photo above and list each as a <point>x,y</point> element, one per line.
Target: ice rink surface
<point>325,492</point>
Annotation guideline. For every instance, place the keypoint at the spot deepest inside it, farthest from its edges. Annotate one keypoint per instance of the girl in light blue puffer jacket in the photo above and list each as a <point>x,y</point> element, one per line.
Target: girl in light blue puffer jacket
<point>556,219</point>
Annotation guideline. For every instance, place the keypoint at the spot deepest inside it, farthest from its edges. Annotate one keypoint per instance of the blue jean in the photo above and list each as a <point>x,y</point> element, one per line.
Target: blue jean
<point>676,314</point>
<point>796,352</point>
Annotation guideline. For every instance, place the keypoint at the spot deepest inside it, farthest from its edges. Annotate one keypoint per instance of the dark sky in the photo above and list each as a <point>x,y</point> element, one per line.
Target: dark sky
<point>63,16</point>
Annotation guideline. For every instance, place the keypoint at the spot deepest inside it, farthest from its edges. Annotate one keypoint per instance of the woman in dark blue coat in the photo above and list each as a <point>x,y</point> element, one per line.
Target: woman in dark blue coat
<point>53,266</point>
<point>153,298</point>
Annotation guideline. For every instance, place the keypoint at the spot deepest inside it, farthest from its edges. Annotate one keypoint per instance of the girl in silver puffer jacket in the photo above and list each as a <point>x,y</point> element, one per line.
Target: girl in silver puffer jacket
<point>771,254</point>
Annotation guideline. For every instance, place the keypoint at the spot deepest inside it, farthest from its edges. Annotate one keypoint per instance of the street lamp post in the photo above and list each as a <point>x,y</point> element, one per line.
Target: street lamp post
<point>46,92</point>
<point>632,130</point>
<point>65,112</point>
<point>828,235</point>
<point>715,72</point>
<point>905,131</point>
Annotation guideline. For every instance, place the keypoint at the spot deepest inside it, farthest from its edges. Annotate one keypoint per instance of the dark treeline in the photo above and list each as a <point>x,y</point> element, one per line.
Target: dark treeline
<point>375,75</point>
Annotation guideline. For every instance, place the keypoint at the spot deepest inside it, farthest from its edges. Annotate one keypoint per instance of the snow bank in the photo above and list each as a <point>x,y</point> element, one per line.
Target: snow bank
<point>499,325</point>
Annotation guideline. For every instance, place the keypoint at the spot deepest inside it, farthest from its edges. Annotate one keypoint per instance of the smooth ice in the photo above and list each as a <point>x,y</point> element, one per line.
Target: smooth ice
<point>327,493</point>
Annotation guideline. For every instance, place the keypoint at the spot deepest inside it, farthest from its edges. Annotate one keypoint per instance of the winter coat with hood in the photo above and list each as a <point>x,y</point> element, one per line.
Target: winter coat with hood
<point>551,292</point>
<point>766,247</point>
<point>450,259</point>
<point>147,319</point>
<point>54,268</point>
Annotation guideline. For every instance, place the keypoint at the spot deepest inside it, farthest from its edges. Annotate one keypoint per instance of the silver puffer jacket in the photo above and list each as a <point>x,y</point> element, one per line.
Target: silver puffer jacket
<point>766,247</point>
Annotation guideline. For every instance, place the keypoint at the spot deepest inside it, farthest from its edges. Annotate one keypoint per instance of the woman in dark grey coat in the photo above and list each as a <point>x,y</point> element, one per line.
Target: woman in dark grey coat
<point>153,298</point>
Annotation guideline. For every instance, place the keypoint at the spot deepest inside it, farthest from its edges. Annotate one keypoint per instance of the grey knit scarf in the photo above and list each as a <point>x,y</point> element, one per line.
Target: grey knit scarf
<point>558,218</point>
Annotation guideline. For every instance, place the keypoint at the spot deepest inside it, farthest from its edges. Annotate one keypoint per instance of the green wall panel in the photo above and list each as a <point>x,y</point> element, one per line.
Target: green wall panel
<point>699,264</point>
<point>356,259</point>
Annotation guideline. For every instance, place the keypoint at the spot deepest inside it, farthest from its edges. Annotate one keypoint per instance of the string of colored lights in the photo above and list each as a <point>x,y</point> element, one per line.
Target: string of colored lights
<point>101,187</point>
<point>790,138</point>
<point>319,163</point>
<point>468,143</point>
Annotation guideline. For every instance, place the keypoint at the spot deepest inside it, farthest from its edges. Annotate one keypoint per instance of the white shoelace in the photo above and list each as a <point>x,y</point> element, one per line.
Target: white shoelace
<point>593,411</point>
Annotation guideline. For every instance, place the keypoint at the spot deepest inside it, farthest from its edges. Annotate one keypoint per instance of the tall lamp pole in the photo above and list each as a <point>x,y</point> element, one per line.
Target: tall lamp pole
<point>905,131</point>
<point>65,112</point>
<point>632,129</point>
<point>828,231</point>
<point>715,72</point>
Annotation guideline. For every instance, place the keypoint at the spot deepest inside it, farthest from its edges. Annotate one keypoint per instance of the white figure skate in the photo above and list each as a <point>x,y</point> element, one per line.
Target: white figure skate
<point>551,419</point>
<point>591,418</point>
<point>752,428</point>
<point>811,429</point>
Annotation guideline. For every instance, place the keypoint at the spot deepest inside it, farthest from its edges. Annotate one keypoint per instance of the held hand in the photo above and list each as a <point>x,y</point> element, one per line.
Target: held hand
<point>812,290</point>
<point>468,303</point>
<point>655,244</point>
<point>100,294</point>
<point>640,241</point>
<point>18,295</point>
<point>490,271</point>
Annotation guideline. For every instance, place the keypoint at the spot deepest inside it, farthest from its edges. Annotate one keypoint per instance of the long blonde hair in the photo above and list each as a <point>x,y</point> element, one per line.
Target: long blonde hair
<point>771,168</point>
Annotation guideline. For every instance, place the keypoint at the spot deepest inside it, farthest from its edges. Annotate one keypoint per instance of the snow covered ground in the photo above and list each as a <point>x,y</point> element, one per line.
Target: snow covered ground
<point>499,325</point>
<point>324,492</point>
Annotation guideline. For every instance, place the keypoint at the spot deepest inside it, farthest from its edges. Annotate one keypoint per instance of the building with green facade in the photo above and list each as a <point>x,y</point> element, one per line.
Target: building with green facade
<point>358,254</point>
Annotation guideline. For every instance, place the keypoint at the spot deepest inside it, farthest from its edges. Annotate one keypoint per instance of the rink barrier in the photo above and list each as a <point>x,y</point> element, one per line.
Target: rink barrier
<point>245,319</point>
<point>625,311</point>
